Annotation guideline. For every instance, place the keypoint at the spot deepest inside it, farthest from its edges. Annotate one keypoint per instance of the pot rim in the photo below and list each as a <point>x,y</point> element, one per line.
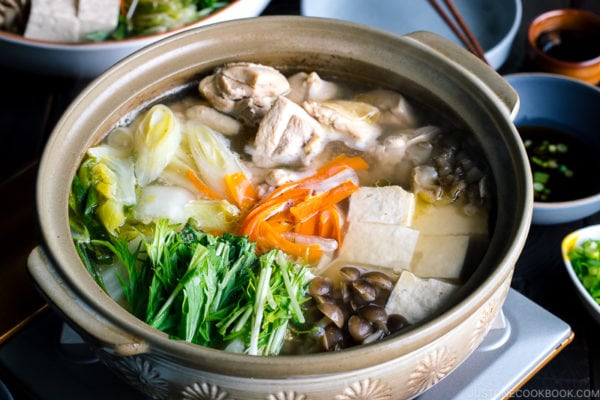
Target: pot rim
<point>99,304</point>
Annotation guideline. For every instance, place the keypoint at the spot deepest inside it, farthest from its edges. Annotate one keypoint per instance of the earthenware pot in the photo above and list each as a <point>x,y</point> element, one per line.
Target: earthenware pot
<point>425,65</point>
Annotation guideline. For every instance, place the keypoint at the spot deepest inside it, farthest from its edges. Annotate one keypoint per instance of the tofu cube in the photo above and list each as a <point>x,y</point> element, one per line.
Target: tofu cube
<point>450,220</point>
<point>385,205</point>
<point>440,256</point>
<point>383,245</point>
<point>97,15</point>
<point>53,20</point>
<point>417,299</point>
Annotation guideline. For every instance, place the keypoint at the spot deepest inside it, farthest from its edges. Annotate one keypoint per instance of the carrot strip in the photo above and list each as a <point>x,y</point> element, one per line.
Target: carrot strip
<point>308,226</point>
<point>335,166</point>
<point>271,239</point>
<point>322,201</point>
<point>240,190</point>
<point>201,186</point>
<point>330,224</point>
<point>329,169</point>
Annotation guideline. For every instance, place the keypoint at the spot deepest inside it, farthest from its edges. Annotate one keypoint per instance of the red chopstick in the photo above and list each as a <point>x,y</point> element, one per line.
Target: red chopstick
<point>460,27</point>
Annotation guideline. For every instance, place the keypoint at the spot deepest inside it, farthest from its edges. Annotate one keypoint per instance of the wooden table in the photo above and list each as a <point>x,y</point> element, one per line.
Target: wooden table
<point>31,104</point>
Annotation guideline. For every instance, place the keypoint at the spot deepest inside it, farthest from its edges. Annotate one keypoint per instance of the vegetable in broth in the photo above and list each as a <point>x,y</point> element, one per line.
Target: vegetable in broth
<point>288,219</point>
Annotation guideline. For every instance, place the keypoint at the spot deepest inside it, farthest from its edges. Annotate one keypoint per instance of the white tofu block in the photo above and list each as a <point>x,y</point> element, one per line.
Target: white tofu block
<point>53,20</point>
<point>440,256</point>
<point>383,245</point>
<point>416,299</point>
<point>386,205</point>
<point>449,220</point>
<point>97,15</point>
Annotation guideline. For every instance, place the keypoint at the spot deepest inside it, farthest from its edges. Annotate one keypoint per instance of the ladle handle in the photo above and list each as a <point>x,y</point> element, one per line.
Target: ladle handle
<point>89,323</point>
<point>492,79</point>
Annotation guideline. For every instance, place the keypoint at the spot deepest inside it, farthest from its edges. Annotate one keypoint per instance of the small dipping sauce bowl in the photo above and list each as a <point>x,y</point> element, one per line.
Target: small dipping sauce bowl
<point>566,42</point>
<point>558,122</point>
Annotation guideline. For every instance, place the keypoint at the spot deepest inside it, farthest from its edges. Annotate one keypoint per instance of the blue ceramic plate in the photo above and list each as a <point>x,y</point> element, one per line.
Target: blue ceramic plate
<point>494,23</point>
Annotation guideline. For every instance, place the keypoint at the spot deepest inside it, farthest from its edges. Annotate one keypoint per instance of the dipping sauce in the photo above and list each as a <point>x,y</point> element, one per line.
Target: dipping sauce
<point>562,166</point>
<point>570,45</point>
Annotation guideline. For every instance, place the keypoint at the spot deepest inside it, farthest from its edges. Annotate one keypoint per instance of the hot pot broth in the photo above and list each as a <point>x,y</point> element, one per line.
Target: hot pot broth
<point>266,213</point>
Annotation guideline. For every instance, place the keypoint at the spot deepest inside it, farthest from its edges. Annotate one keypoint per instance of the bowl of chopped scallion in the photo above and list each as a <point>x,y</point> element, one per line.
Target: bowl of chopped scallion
<point>581,255</point>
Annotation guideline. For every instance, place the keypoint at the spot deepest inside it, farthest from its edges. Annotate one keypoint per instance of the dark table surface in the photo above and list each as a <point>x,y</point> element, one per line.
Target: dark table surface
<point>31,104</point>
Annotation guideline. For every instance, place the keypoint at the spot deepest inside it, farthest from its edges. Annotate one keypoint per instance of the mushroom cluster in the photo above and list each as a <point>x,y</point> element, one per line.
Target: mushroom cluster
<point>352,311</point>
<point>13,15</point>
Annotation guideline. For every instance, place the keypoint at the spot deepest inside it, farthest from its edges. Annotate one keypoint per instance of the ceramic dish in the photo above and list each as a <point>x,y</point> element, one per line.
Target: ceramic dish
<point>565,42</point>
<point>572,239</point>
<point>88,60</point>
<point>568,105</point>
<point>407,364</point>
<point>494,23</point>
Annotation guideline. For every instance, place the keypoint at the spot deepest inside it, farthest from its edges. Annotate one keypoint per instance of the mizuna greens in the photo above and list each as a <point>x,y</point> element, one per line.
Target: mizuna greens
<point>209,290</point>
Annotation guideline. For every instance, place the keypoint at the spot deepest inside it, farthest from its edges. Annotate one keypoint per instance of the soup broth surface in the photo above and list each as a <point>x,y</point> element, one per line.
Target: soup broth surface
<point>266,213</point>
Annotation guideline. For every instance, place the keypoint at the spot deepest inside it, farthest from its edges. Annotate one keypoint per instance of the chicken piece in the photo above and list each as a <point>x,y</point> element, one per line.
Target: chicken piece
<point>214,119</point>
<point>385,205</point>
<point>287,135</point>
<point>393,106</point>
<point>351,122</point>
<point>244,90</point>
<point>416,299</point>
<point>310,86</point>
<point>384,245</point>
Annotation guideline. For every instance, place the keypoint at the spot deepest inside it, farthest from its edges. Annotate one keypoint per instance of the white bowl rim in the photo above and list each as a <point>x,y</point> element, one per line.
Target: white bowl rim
<point>574,238</point>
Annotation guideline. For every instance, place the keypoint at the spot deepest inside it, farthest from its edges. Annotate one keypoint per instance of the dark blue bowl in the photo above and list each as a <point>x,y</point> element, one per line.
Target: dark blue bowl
<point>568,105</point>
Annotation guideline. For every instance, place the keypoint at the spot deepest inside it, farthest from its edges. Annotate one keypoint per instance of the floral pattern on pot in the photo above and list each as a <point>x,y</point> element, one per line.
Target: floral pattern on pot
<point>436,365</point>
<point>287,396</point>
<point>366,389</point>
<point>204,391</point>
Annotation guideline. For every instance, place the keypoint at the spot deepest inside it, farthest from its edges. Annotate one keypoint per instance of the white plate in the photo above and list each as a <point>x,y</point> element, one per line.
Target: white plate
<point>88,60</point>
<point>494,23</point>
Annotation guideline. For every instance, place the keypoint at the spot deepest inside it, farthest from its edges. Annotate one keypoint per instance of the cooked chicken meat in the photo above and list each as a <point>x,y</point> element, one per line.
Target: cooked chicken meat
<point>287,135</point>
<point>351,122</point>
<point>309,86</point>
<point>393,106</point>
<point>244,90</point>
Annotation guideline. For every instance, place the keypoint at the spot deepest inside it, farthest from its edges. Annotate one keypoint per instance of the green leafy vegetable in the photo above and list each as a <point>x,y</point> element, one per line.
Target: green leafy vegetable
<point>209,290</point>
<point>585,259</point>
<point>145,17</point>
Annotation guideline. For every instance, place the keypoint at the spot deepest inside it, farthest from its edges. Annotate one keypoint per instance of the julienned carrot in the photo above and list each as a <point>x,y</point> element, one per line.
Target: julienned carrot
<point>240,190</point>
<point>269,239</point>
<point>268,207</point>
<point>330,224</point>
<point>329,169</point>
<point>293,207</point>
<point>201,186</point>
<point>325,200</point>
